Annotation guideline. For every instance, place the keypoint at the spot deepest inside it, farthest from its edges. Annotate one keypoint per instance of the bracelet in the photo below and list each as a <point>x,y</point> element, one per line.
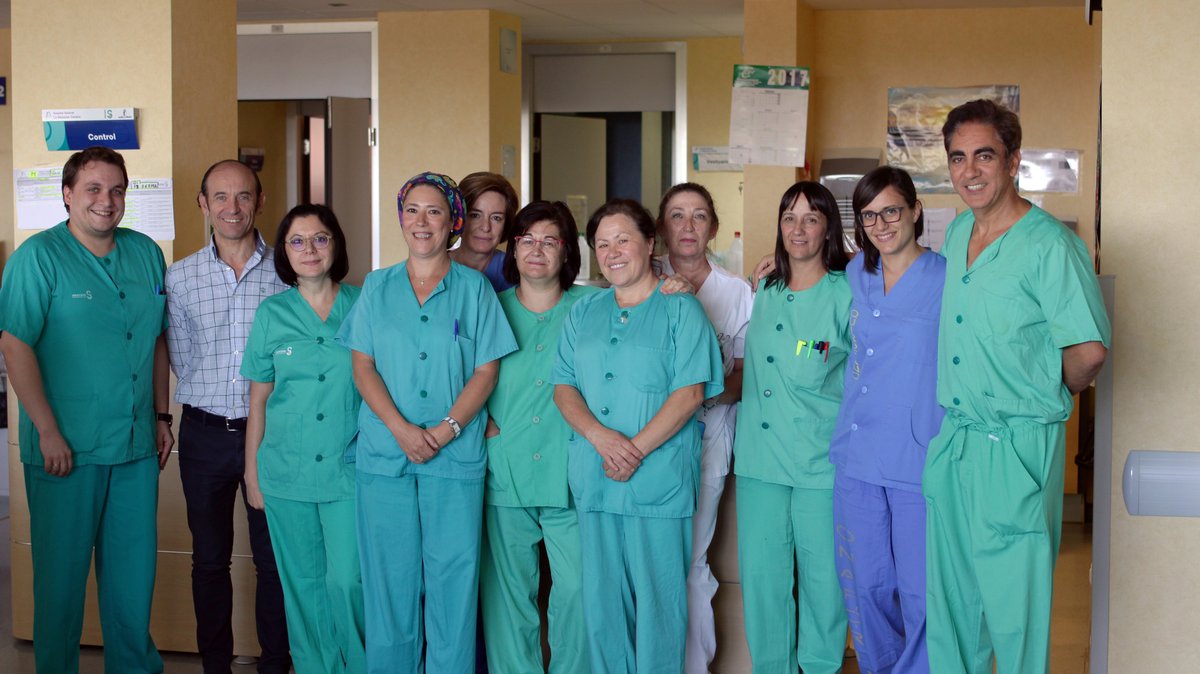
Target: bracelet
<point>454,426</point>
<point>166,416</point>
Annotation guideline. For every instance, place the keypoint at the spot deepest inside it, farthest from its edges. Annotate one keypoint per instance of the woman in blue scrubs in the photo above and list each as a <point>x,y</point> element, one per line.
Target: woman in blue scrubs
<point>889,413</point>
<point>425,337</point>
<point>303,415</point>
<point>633,367</point>
<point>491,205</point>
<point>796,349</point>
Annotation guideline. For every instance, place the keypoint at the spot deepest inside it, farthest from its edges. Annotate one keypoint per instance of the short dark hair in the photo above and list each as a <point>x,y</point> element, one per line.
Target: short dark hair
<point>481,182</point>
<point>239,162</point>
<point>982,111</point>
<point>558,214</point>
<point>341,259</point>
<point>865,192</point>
<point>833,249</point>
<point>80,159</point>
<point>688,187</point>
<point>618,206</point>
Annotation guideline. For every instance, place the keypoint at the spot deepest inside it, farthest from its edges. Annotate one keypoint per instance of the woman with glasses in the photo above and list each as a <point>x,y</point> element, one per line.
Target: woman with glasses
<point>425,338</point>
<point>796,349</point>
<point>528,503</point>
<point>491,202</point>
<point>687,222</point>
<point>633,367</point>
<point>888,415</point>
<point>303,416</point>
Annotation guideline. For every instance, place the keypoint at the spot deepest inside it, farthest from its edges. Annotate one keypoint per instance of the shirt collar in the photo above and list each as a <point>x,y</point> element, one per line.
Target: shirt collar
<point>261,250</point>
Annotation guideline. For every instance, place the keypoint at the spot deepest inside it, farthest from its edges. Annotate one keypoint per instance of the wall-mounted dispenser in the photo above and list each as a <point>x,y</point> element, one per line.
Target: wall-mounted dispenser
<point>1162,483</point>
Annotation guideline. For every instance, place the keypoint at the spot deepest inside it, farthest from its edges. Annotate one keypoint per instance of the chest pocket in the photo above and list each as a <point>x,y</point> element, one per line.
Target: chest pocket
<point>649,368</point>
<point>806,368</point>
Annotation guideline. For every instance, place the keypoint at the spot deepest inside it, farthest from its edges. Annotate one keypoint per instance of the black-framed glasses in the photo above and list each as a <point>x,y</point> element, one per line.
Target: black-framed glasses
<point>318,241</point>
<point>527,242</point>
<point>890,215</point>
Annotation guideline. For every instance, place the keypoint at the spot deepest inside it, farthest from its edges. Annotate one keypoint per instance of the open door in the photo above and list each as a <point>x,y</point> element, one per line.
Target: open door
<point>348,177</point>
<point>574,163</point>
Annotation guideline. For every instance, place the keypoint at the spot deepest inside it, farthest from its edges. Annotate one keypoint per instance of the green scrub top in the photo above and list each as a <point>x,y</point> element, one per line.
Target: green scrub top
<point>796,348</point>
<point>1005,321</point>
<point>425,355</point>
<point>312,414</point>
<point>92,323</point>
<point>527,462</point>
<point>626,362</point>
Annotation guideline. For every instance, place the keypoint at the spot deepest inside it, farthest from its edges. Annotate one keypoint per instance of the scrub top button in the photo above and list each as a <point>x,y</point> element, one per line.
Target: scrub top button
<point>854,427</point>
<point>135,377</point>
<point>613,340</point>
<point>424,319</point>
<point>608,376</point>
<point>956,401</point>
<point>320,340</point>
<point>767,393</point>
<point>864,389</point>
<point>875,313</point>
<point>779,327</point>
<point>320,377</point>
<point>770,359</point>
<point>536,420</point>
<point>537,456</point>
<point>122,294</point>
<point>765,425</point>
<point>424,394</point>
<point>129,335</point>
<point>320,458</point>
<point>870,352</point>
<point>791,298</point>
<point>624,315</point>
<point>541,319</point>
<point>107,261</point>
<point>422,355</point>
<point>320,417</point>
<point>539,382</point>
<point>966,280</point>
<point>955,360</point>
<point>958,318</point>
<point>539,347</point>
<point>603,410</point>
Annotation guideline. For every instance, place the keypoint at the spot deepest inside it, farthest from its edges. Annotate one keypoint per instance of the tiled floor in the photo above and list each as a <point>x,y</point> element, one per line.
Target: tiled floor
<point>1069,638</point>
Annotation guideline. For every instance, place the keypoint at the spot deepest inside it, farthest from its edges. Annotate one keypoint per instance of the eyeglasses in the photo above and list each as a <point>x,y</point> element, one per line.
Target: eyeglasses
<point>549,243</point>
<point>299,243</point>
<point>890,215</point>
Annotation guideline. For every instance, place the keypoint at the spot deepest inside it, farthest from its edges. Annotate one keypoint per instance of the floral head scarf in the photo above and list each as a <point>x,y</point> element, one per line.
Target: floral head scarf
<point>449,189</point>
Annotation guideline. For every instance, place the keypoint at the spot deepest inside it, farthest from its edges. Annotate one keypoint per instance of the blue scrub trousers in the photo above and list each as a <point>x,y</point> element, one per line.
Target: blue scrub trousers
<point>419,538</point>
<point>212,465</point>
<point>635,591</point>
<point>316,550</point>
<point>113,510</point>
<point>881,564</point>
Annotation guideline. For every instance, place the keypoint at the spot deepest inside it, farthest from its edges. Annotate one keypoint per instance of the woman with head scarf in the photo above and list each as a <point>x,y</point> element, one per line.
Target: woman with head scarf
<point>425,337</point>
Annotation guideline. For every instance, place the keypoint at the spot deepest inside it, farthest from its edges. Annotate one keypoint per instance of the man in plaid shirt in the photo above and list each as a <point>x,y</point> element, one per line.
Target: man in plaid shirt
<point>211,299</point>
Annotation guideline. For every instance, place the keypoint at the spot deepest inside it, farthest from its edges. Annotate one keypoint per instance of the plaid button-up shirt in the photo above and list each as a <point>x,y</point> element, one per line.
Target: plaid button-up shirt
<point>210,312</point>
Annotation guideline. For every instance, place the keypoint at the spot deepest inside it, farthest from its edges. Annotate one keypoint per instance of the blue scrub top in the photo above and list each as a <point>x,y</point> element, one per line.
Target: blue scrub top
<point>626,362</point>
<point>889,407</point>
<point>425,355</point>
<point>495,272</point>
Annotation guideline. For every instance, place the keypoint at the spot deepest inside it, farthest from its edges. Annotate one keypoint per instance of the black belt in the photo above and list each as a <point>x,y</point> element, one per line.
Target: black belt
<point>201,417</point>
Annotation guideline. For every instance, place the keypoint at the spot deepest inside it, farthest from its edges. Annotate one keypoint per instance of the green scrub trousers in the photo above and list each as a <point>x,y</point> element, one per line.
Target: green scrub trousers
<point>316,551</point>
<point>112,509</point>
<point>509,586</point>
<point>779,526</point>
<point>995,522</point>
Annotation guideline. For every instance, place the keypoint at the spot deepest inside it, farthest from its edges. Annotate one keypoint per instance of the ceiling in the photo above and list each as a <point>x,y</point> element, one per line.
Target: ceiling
<point>586,19</point>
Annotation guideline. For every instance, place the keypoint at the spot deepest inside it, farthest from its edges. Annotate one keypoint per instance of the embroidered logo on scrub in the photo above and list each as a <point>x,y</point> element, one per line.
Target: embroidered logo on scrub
<point>283,352</point>
<point>85,295</point>
<point>808,346</point>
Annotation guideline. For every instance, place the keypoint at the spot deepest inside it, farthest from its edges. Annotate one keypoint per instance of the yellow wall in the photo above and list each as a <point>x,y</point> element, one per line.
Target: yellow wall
<point>448,114</point>
<point>710,64</point>
<point>7,237</point>
<point>1050,53</point>
<point>1151,152</point>
<point>263,124</point>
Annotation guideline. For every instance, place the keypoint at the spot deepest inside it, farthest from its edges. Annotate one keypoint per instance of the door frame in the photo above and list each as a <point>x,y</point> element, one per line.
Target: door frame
<point>332,27</point>
<point>679,154</point>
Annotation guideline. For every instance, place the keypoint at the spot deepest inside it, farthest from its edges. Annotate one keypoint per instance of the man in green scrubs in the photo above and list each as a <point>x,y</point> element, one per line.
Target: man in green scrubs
<point>1023,327</point>
<point>81,309</point>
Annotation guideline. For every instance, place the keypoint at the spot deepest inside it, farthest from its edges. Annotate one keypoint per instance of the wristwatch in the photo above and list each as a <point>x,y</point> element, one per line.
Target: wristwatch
<point>454,426</point>
<point>166,416</point>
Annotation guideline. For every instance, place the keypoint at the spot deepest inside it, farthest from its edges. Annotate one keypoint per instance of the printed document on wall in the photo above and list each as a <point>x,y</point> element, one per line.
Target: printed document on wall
<point>149,206</point>
<point>769,118</point>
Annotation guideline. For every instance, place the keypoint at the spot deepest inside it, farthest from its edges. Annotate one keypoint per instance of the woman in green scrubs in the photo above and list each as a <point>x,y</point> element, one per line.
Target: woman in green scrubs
<point>303,415</point>
<point>528,504</point>
<point>633,367</point>
<point>796,349</point>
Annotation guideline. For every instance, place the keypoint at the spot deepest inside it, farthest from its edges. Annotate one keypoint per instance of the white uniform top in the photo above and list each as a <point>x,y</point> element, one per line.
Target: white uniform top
<point>727,302</point>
